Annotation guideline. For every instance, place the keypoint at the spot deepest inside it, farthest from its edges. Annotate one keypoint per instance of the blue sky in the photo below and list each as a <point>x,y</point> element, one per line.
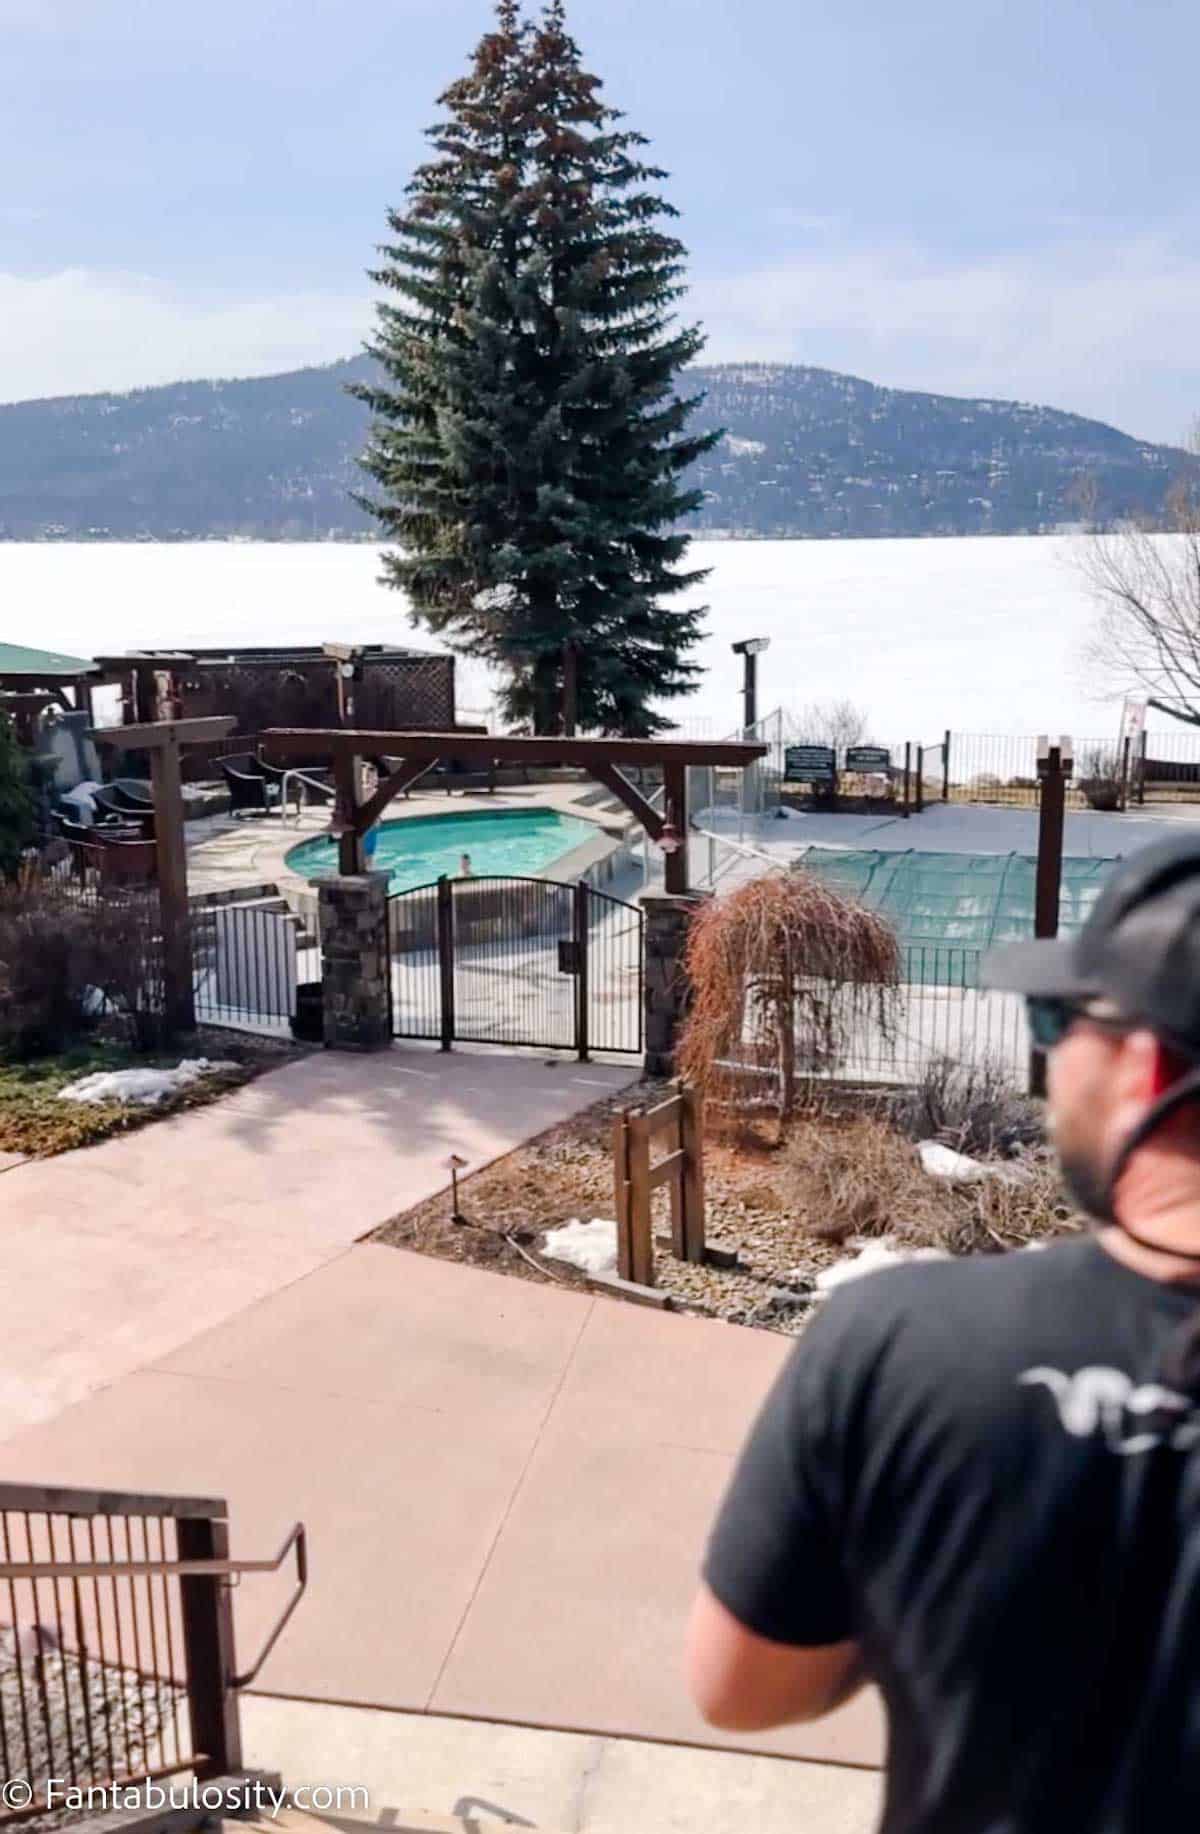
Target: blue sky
<point>958,195</point>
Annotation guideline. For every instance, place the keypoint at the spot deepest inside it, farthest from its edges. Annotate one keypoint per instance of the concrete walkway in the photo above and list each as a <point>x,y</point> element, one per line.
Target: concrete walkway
<point>458,1776</point>
<point>115,1256</point>
<point>507,1488</point>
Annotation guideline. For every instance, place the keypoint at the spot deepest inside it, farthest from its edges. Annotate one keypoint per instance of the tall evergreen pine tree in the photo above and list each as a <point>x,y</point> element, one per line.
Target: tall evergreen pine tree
<point>527,441</point>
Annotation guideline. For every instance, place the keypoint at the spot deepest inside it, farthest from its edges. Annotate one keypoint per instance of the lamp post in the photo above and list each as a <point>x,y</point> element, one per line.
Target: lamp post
<point>750,649</point>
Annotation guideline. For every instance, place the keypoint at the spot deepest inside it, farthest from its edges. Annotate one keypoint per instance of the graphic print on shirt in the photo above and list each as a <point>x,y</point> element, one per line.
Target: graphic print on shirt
<point>1131,1419</point>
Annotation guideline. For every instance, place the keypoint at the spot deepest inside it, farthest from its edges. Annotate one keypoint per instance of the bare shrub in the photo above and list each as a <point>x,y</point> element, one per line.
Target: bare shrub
<point>833,722</point>
<point>782,971</point>
<point>976,1108</point>
<point>69,960</point>
<point>46,977</point>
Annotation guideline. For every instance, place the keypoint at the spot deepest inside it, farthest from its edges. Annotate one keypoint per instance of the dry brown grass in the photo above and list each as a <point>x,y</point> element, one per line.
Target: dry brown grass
<point>854,1175</point>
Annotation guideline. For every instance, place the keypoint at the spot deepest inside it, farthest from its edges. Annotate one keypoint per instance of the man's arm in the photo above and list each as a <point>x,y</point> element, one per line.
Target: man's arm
<point>742,1682</point>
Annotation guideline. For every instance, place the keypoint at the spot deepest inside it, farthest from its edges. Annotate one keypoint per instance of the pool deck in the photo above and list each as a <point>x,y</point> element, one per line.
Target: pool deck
<point>226,855</point>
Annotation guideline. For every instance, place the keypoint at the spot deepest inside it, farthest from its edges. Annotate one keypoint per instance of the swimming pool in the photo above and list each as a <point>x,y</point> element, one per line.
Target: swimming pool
<point>422,849</point>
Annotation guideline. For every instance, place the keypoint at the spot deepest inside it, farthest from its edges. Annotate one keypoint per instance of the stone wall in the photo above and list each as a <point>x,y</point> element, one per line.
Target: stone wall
<point>667,991</point>
<point>356,962</point>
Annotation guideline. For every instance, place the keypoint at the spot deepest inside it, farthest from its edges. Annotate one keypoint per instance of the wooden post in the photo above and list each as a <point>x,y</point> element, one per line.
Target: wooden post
<point>675,871</point>
<point>1048,884</point>
<point>171,862</point>
<point>1126,747</point>
<point>621,1195</point>
<point>1141,775</point>
<point>445,946</point>
<point>347,776</point>
<point>582,986</point>
<point>641,1235</point>
<point>691,1144</point>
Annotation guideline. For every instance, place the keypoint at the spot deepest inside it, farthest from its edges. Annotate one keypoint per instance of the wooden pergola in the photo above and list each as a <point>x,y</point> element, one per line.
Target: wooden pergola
<point>164,740</point>
<point>411,754</point>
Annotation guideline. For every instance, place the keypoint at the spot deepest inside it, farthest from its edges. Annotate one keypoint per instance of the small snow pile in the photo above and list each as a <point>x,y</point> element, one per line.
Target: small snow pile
<point>957,1168</point>
<point>871,1257</point>
<point>141,1088</point>
<point>592,1247</point>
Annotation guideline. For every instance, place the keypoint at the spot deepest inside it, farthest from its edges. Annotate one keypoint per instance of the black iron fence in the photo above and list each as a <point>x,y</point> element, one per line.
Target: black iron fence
<point>251,953</point>
<point>117,1660</point>
<point>942,1014</point>
<point>517,961</point>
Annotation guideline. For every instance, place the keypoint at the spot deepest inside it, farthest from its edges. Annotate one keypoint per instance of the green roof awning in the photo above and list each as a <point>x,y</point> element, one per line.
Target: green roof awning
<point>16,659</point>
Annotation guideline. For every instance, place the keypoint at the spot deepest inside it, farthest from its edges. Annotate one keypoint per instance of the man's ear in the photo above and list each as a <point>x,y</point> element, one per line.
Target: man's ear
<point>1148,1068</point>
<point>1142,1068</point>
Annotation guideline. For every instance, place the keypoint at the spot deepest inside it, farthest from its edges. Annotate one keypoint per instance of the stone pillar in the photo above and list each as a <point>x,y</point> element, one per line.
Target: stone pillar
<point>356,962</point>
<point>667,990</point>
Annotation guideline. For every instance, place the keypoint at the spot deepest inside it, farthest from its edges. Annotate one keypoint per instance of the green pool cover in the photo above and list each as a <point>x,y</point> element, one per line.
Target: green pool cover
<point>948,908</point>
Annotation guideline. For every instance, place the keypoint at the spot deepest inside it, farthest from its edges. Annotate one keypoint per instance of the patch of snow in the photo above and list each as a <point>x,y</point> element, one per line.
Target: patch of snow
<point>592,1247</point>
<point>943,1162</point>
<point>141,1088</point>
<point>870,1258</point>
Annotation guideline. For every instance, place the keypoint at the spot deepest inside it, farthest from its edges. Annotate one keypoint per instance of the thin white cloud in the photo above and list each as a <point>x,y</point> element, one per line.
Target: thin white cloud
<point>77,331</point>
<point>1105,329</point>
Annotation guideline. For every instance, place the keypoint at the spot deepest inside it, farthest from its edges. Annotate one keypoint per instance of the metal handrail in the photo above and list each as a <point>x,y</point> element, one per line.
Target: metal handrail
<point>181,1569</point>
<point>312,783</point>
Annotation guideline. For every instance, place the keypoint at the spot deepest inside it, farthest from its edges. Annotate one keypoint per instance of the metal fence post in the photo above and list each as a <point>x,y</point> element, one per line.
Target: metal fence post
<point>445,943</point>
<point>946,766</point>
<point>1141,794</point>
<point>920,778</point>
<point>1125,750</point>
<point>206,1606</point>
<point>582,996</point>
<point>907,775</point>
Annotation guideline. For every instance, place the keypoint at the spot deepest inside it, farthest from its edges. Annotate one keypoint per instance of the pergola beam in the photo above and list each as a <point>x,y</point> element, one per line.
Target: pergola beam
<point>290,742</point>
<point>632,797</point>
<point>599,758</point>
<point>402,778</point>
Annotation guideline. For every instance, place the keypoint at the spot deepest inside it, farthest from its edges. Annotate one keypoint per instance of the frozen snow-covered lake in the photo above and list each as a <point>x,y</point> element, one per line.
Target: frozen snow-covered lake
<point>982,635</point>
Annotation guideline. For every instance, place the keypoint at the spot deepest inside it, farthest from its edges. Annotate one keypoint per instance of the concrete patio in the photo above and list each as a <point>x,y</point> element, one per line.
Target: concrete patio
<point>506,1486</point>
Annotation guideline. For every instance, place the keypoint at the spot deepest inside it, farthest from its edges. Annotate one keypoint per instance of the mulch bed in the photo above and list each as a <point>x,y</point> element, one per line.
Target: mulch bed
<point>788,1211</point>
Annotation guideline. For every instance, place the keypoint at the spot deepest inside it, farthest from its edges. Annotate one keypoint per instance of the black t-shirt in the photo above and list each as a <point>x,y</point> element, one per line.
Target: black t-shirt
<point>976,1469</point>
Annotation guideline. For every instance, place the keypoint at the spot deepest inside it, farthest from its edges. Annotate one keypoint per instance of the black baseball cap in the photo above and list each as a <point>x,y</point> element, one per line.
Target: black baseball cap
<point>1139,949</point>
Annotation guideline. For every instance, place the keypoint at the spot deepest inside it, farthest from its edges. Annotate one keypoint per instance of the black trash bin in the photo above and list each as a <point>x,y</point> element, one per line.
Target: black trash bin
<point>308,1025</point>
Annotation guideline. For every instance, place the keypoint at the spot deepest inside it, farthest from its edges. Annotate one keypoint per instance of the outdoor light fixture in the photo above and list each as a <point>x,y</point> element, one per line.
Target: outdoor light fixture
<point>750,649</point>
<point>669,840</point>
<point>1066,754</point>
<point>455,1164</point>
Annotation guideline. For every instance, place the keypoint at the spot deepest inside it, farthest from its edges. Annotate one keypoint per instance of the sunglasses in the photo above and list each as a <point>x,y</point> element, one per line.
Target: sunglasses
<point>1051,1018</point>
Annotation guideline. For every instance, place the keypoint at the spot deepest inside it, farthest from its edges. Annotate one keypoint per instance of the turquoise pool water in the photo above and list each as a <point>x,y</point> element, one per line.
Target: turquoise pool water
<point>415,852</point>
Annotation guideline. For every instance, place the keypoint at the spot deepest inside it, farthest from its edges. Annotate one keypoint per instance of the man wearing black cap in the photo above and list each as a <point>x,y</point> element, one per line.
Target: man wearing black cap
<point>977,1482</point>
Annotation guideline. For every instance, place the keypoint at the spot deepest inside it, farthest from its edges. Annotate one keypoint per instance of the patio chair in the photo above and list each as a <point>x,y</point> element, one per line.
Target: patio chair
<point>138,817</point>
<point>250,789</point>
<point>126,862</point>
<point>131,796</point>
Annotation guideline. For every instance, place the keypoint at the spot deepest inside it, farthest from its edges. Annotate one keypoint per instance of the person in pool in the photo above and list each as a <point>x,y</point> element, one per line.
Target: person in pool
<point>465,870</point>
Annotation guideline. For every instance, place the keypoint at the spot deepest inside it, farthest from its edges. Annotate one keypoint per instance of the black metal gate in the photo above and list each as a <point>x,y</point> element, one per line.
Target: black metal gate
<point>519,962</point>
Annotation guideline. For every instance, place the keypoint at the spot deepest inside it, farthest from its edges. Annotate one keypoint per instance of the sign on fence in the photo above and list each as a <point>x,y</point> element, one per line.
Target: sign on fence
<point>810,764</point>
<point>868,760</point>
